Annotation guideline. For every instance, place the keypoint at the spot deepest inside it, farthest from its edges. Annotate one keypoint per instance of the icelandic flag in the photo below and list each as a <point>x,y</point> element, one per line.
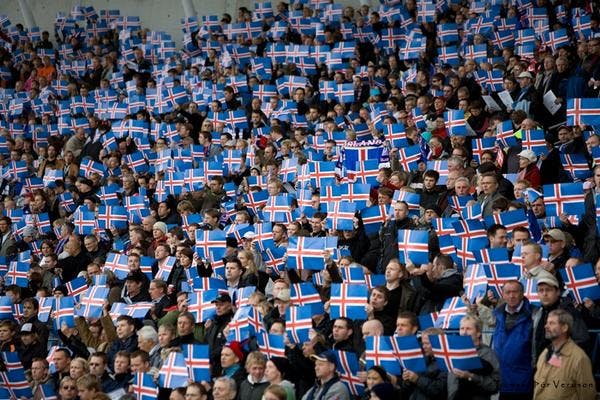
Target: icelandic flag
<point>354,154</point>
<point>583,111</point>
<point>66,202</point>
<point>64,312</point>
<point>305,293</point>
<point>206,283</point>
<point>379,351</point>
<point>92,302</point>
<point>505,135</point>
<point>175,96</point>
<point>455,122</point>
<point>298,322</point>
<point>15,382</point>
<point>481,145</point>
<point>46,304</point>
<point>565,198</point>
<point>374,280</point>
<point>473,211</point>
<point>411,199</point>
<point>6,311</point>
<point>271,345</point>
<point>136,162</point>
<point>348,372</point>
<point>112,216</point>
<point>47,392</point>
<point>274,257</point>
<point>534,140</point>
<point>209,240</point>
<point>165,268</point>
<point>239,326</point>
<point>409,353</point>
<point>581,282</point>
<point>348,300</point>
<point>174,372</point>
<point>356,193</point>
<point>241,296</point>
<point>452,351</point>
<point>109,195</point>
<point>409,157</point>
<point>373,217</point>
<point>306,253</point>
<point>413,246</point>
<point>396,135</point>
<point>576,165</point>
<point>488,255</point>
<point>278,209</point>
<point>264,235</point>
<point>17,274</point>
<point>475,282</point>
<point>89,167</point>
<point>117,264</point>
<point>322,173</point>
<point>509,219</point>
<point>135,310</point>
<point>76,287</point>
<point>365,172</point>
<point>197,361</point>
<point>450,315</point>
<point>340,215</point>
<point>470,228</point>
<point>531,292</point>
<point>144,387</point>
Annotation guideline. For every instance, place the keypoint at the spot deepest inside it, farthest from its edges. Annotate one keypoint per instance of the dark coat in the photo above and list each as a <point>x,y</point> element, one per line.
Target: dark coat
<point>433,295</point>
<point>513,348</point>
<point>130,344</point>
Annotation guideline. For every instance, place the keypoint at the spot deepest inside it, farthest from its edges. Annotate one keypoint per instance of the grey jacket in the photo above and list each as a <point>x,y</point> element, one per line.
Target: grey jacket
<point>337,391</point>
<point>486,385</point>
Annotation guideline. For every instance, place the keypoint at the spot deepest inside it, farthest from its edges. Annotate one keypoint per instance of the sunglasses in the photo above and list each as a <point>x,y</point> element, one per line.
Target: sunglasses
<point>69,387</point>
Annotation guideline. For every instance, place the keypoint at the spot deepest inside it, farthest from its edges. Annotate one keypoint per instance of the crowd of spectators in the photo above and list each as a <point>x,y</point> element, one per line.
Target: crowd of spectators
<point>178,178</point>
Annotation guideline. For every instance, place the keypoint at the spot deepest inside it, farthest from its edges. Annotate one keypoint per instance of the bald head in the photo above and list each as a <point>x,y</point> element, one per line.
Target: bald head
<point>373,327</point>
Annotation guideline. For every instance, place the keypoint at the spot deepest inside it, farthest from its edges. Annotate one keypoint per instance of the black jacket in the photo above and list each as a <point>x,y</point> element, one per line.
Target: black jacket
<point>215,338</point>
<point>130,344</point>
<point>433,295</point>
<point>388,235</point>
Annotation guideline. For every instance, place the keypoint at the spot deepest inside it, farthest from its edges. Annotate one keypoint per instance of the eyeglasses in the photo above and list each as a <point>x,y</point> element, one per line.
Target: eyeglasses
<point>69,387</point>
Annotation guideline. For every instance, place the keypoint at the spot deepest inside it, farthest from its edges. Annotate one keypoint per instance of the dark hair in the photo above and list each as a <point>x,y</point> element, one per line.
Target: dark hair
<point>381,372</point>
<point>493,229</point>
<point>430,173</point>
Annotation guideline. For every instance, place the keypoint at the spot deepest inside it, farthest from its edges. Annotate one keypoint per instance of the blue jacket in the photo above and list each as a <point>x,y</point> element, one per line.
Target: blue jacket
<point>513,348</point>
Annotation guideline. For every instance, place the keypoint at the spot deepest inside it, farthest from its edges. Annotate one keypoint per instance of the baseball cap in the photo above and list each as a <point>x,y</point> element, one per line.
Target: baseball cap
<point>327,355</point>
<point>528,154</point>
<point>223,297</point>
<point>525,75</point>
<point>556,234</point>
<point>548,279</point>
<point>283,295</point>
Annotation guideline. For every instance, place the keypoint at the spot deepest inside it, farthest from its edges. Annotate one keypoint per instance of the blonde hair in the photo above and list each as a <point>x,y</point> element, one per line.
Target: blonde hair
<point>255,358</point>
<point>250,268</point>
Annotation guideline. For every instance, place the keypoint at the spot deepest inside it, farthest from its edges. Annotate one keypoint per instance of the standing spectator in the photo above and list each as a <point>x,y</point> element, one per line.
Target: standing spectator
<point>431,384</point>
<point>478,384</point>
<point>255,384</point>
<point>563,362</point>
<point>512,342</point>
<point>328,385</point>
<point>126,336</point>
